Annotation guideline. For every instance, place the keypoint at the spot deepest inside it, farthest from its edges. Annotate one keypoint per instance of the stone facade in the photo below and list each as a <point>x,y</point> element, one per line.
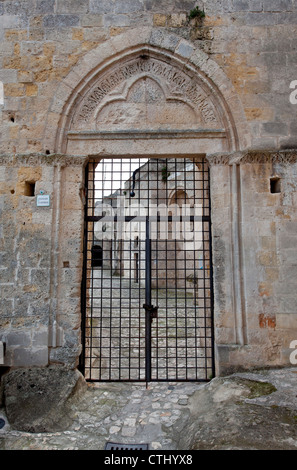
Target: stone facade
<point>138,78</point>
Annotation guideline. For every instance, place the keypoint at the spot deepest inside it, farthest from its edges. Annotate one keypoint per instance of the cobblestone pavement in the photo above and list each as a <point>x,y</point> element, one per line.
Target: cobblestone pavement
<point>120,413</point>
<point>131,413</point>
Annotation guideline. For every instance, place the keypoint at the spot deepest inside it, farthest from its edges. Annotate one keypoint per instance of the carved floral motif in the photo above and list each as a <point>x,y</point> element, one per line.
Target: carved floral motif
<point>254,156</point>
<point>39,159</point>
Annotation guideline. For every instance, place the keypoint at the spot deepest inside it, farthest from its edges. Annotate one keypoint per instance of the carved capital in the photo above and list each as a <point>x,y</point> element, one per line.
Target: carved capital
<point>41,159</point>
<point>254,156</point>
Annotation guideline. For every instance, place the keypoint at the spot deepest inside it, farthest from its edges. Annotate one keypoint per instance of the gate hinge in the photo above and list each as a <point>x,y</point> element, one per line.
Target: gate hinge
<point>152,310</point>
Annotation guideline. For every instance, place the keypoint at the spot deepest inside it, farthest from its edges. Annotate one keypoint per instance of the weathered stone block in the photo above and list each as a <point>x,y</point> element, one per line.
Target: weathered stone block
<point>18,338</point>
<point>241,5</point>
<point>37,399</point>
<point>160,19</point>
<point>255,5</point>
<point>260,18</point>
<point>276,128</point>
<point>60,21</point>
<point>128,6</point>
<point>101,6</point>
<point>159,5</point>
<point>277,5</point>
<point>45,6</point>
<point>30,356</point>
<point>185,49</point>
<point>71,6</point>
<point>116,20</point>
<point>40,337</point>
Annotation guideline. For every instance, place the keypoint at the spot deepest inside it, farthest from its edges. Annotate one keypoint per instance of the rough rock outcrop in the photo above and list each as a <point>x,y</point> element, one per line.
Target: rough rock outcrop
<point>38,399</point>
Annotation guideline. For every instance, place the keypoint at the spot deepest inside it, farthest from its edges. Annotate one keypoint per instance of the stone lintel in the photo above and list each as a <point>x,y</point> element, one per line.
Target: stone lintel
<point>142,134</point>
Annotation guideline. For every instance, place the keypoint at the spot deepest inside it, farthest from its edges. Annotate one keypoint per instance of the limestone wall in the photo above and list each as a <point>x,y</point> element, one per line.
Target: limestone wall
<point>41,259</point>
<point>236,65</point>
<point>41,42</point>
<point>254,236</point>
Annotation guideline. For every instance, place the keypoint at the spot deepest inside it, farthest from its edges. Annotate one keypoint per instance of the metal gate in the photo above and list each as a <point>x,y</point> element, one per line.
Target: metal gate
<point>147,282</point>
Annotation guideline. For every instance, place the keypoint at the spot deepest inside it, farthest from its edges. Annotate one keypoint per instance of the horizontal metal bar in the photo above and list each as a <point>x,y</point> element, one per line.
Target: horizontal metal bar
<point>152,380</point>
<point>137,218</point>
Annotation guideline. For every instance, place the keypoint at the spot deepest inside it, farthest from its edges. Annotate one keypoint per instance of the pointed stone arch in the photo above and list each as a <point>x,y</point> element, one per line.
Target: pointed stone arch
<point>190,81</point>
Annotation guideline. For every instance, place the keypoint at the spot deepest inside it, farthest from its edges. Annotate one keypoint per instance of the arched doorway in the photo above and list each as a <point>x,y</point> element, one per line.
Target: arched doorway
<point>148,102</point>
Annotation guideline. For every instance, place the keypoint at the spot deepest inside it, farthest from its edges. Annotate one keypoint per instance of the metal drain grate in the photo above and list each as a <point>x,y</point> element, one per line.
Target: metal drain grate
<point>117,446</point>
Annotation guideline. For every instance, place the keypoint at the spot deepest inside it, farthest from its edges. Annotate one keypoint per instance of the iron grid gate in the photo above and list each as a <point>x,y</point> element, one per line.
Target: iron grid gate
<point>147,283</point>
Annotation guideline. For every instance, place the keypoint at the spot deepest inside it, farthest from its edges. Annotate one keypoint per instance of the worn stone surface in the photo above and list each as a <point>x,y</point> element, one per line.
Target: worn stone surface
<point>244,411</point>
<point>41,42</point>
<point>248,411</point>
<point>131,66</point>
<point>37,399</point>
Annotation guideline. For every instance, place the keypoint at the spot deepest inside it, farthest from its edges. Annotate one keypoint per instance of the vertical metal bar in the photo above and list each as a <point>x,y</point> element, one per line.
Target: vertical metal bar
<point>130,289</point>
<point>211,280</point>
<point>101,337</point>
<point>176,278</point>
<point>82,358</point>
<point>184,273</point>
<point>91,232</point>
<point>148,294</point>
<point>140,294</point>
<point>204,272</point>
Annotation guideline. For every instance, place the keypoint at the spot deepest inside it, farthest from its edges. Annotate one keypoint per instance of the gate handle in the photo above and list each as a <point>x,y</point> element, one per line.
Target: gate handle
<point>152,310</point>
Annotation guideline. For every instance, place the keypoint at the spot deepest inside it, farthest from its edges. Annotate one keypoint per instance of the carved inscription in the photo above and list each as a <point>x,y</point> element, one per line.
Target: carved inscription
<point>178,82</point>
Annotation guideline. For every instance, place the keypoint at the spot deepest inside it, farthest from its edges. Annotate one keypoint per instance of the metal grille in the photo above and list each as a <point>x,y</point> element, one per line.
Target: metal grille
<point>147,284</point>
<point>116,446</point>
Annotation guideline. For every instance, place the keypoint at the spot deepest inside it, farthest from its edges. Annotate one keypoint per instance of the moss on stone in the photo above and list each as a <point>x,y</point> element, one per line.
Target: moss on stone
<point>258,389</point>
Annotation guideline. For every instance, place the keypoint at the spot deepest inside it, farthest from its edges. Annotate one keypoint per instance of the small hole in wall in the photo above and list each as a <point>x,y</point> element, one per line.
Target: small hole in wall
<point>47,152</point>
<point>12,119</point>
<point>66,264</point>
<point>29,189</point>
<point>275,185</point>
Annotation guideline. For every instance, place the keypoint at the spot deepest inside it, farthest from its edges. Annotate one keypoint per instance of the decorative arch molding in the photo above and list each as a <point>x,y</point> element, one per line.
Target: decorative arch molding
<point>144,86</point>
